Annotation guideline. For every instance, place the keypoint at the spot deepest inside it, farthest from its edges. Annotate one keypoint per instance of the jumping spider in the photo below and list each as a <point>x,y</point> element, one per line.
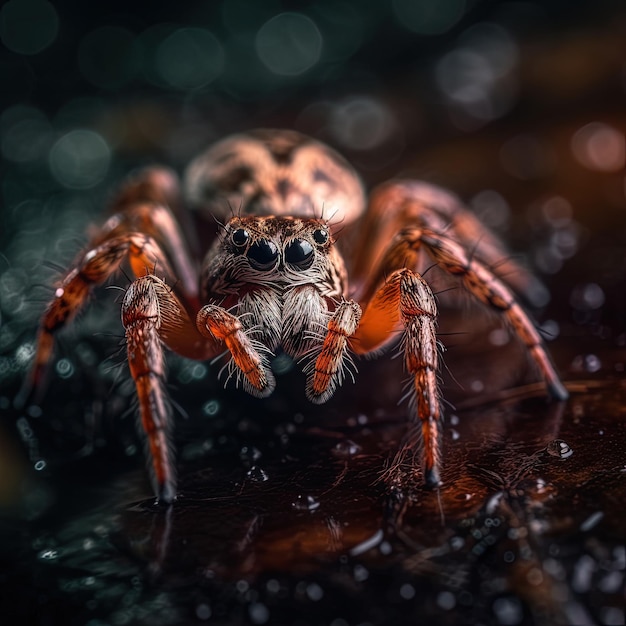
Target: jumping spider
<point>274,281</point>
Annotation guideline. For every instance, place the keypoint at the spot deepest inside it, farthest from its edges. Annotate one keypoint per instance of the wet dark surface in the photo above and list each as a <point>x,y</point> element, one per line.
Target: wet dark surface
<point>282,517</point>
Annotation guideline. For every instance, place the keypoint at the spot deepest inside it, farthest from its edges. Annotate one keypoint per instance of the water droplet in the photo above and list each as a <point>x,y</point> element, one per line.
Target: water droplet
<point>256,474</point>
<point>211,407</point>
<point>464,496</point>
<point>315,592</point>
<point>360,573</point>
<point>40,465</point>
<point>346,449</point>
<point>446,600</point>
<point>508,611</point>
<point>48,555</point>
<point>559,448</point>
<point>305,503</point>
<point>250,454</point>
<point>367,544</point>
<point>583,574</point>
<point>64,368</point>
<point>456,542</point>
<point>592,363</point>
<point>591,521</point>
<point>407,591</point>
<point>259,613</point>
<point>203,611</point>
<point>587,297</point>
<point>272,585</point>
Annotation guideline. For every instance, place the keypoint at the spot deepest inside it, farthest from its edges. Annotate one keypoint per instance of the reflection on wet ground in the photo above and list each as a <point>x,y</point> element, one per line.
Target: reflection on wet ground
<point>282,519</point>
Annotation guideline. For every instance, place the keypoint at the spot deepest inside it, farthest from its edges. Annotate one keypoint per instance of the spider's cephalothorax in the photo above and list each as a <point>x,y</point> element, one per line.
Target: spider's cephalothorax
<point>273,280</point>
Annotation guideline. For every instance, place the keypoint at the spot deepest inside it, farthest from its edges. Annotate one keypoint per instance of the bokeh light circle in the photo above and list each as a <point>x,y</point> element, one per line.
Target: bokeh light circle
<point>28,26</point>
<point>600,147</point>
<point>426,17</point>
<point>362,123</point>
<point>189,58</point>
<point>80,159</point>
<point>109,57</point>
<point>25,134</point>
<point>289,44</point>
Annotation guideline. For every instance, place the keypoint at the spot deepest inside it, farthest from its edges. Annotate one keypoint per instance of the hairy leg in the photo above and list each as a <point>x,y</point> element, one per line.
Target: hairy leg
<point>327,371</point>
<point>406,298</point>
<point>402,204</point>
<point>153,317</point>
<point>248,359</point>
<point>480,281</point>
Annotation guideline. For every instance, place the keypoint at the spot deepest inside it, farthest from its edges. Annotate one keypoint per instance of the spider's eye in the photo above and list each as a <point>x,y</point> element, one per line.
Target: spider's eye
<point>240,237</point>
<point>299,253</point>
<point>262,254</point>
<point>321,236</point>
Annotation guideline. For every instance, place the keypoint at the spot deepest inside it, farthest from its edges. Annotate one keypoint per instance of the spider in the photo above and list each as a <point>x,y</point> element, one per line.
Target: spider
<point>274,282</point>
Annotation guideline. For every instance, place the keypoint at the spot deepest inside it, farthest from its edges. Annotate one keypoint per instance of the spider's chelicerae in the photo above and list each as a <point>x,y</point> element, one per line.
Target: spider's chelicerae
<point>274,281</point>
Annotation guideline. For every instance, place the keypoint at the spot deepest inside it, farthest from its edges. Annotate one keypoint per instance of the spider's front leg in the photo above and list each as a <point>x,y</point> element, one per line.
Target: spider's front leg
<point>249,362</point>
<point>406,298</point>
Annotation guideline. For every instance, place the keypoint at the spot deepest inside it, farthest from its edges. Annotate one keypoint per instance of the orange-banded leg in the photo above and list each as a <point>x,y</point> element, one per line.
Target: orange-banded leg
<point>399,204</point>
<point>249,362</point>
<point>406,298</point>
<point>327,371</point>
<point>93,268</point>
<point>149,203</point>
<point>152,316</point>
<point>157,222</point>
<point>482,283</point>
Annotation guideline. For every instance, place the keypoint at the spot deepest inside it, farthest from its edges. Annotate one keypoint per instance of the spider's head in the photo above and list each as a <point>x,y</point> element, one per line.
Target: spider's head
<point>274,173</point>
<point>285,251</point>
<point>285,243</point>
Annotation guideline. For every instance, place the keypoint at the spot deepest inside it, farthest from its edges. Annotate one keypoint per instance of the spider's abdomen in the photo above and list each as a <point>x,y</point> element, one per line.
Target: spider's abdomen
<point>274,172</point>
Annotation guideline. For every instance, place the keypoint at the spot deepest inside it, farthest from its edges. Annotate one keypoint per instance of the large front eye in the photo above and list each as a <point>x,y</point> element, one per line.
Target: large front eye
<point>240,237</point>
<point>262,255</point>
<point>299,253</point>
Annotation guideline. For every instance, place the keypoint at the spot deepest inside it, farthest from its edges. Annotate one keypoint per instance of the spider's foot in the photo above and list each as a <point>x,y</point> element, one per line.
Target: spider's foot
<point>557,390</point>
<point>166,494</point>
<point>432,480</point>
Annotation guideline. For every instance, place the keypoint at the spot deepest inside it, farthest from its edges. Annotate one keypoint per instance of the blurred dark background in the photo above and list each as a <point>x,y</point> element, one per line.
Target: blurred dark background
<point>518,107</point>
